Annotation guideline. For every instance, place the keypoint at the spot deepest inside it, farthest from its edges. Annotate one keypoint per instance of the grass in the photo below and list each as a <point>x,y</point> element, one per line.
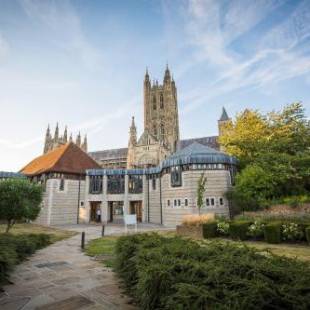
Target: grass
<point>26,228</point>
<point>103,248</point>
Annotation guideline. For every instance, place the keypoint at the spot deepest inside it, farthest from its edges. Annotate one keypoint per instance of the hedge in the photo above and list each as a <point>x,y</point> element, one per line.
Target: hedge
<point>238,229</point>
<point>15,248</point>
<point>307,233</point>
<point>209,230</point>
<point>272,232</point>
<point>174,273</point>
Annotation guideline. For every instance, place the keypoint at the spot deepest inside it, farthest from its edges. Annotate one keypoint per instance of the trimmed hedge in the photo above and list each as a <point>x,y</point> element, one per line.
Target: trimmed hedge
<point>307,233</point>
<point>239,229</point>
<point>174,273</point>
<point>15,248</point>
<point>209,230</point>
<point>272,232</point>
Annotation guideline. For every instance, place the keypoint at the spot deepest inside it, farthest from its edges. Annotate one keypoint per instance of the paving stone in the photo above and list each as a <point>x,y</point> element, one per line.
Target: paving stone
<point>72,303</point>
<point>13,303</point>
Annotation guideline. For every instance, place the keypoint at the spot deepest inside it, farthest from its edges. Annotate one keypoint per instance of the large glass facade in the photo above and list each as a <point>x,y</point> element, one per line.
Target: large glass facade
<point>95,184</point>
<point>116,184</point>
<point>135,184</point>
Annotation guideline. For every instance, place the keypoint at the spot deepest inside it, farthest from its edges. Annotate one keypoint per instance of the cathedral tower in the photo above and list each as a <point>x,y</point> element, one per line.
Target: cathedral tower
<point>222,123</point>
<point>161,110</point>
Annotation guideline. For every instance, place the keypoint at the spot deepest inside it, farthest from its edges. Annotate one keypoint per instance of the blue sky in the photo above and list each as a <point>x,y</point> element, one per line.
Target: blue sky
<point>82,63</point>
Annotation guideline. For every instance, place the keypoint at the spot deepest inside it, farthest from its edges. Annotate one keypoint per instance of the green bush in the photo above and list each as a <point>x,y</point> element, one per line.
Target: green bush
<point>175,273</point>
<point>15,248</point>
<point>223,228</point>
<point>307,230</point>
<point>239,229</point>
<point>272,232</point>
<point>256,230</point>
<point>209,230</point>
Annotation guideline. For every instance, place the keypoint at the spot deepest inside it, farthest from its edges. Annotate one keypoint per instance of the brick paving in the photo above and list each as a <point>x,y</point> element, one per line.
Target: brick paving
<point>62,277</point>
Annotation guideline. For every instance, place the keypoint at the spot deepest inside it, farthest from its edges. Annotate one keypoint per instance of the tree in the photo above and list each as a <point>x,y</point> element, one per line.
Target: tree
<point>19,200</point>
<point>201,188</point>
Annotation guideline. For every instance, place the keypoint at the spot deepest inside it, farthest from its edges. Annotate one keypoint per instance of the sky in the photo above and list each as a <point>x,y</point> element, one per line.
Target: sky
<point>82,64</point>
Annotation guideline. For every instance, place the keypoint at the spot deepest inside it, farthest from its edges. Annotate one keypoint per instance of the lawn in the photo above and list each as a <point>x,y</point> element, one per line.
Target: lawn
<point>56,234</point>
<point>103,248</point>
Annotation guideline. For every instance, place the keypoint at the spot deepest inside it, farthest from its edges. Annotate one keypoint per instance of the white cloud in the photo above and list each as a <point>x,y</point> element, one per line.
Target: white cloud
<point>65,29</point>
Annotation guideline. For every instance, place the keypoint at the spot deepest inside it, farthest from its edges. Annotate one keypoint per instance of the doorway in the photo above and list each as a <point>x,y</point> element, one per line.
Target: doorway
<point>116,211</point>
<point>135,207</point>
<point>95,211</point>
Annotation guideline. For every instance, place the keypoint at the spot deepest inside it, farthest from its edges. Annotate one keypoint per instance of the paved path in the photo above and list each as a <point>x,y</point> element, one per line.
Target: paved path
<point>61,277</point>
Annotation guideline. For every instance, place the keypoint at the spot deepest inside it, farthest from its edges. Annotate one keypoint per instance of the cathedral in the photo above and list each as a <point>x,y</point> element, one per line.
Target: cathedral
<point>52,143</point>
<point>161,136</point>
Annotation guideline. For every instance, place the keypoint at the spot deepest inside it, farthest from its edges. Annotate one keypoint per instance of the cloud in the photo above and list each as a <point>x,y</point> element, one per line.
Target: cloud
<point>278,55</point>
<point>4,47</point>
<point>65,29</point>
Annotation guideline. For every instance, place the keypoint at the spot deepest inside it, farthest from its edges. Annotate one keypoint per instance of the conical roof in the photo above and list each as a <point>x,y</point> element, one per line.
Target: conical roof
<point>224,116</point>
<point>198,153</point>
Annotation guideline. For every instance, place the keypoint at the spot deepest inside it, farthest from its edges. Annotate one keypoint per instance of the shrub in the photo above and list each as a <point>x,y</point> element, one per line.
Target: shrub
<point>272,232</point>
<point>239,229</point>
<point>307,230</point>
<point>196,220</point>
<point>209,230</point>
<point>292,232</point>
<point>223,228</point>
<point>175,273</point>
<point>256,230</point>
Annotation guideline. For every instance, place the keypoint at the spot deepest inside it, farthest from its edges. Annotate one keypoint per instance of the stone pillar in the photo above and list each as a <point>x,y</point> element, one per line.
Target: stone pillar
<point>126,202</point>
<point>50,201</point>
<point>145,200</point>
<point>104,204</point>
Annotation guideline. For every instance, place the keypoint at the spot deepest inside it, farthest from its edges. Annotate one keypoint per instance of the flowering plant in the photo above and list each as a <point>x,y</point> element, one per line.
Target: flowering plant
<point>291,231</point>
<point>223,228</point>
<point>256,230</point>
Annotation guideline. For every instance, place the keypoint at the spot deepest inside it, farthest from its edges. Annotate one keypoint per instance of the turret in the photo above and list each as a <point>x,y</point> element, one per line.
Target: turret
<point>56,135</point>
<point>78,140</point>
<point>84,145</point>
<point>48,139</point>
<point>167,77</point>
<point>71,139</point>
<point>65,137</point>
<point>132,133</point>
<point>222,123</point>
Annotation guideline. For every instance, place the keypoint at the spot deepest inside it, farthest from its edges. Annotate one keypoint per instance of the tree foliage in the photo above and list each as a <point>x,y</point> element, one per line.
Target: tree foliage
<point>201,188</point>
<point>273,151</point>
<point>19,200</point>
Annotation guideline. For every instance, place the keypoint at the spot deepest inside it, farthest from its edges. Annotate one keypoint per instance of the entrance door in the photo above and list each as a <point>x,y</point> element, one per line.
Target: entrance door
<point>95,211</point>
<point>136,208</point>
<point>116,211</point>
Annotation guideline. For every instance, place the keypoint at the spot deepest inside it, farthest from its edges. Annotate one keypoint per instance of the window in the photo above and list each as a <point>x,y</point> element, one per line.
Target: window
<point>212,201</point>
<point>135,184</point>
<point>153,182</point>
<point>185,202</point>
<point>116,184</point>
<point>176,176</point>
<point>175,202</point>
<point>82,204</point>
<point>179,202</point>
<point>168,203</point>
<point>221,201</point>
<point>155,131</point>
<point>161,101</point>
<point>95,184</point>
<point>154,103</point>
<point>207,202</point>
<point>62,184</point>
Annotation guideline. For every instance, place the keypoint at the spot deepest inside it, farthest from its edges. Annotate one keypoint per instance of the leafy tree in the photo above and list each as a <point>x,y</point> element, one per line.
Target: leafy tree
<point>201,188</point>
<point>19,200</point>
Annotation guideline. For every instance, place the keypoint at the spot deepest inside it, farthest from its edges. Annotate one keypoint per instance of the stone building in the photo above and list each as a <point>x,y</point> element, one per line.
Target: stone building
<point>51,143</point>
<point>62,173</point>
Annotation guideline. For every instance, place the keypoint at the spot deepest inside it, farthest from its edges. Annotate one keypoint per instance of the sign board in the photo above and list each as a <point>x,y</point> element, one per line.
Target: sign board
<point>130,219</point>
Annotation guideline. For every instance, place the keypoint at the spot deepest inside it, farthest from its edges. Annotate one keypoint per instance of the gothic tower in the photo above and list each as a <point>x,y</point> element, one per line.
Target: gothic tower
<point>48,140</point>
<point>222,123</point>
<point>131,144</point>
<point>161,110</point>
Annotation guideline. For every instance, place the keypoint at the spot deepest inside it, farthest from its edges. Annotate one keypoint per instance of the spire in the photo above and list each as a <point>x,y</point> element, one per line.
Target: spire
<point>48,131</point>
<point>133,132</point>
<point>167,77</point>
<point>65,137</point>
<point>84,145</point>
<point>47,140</point>
<point>56,136</point>
<point>78,140</point>
<point>71,139</point>
<point>224,116</point>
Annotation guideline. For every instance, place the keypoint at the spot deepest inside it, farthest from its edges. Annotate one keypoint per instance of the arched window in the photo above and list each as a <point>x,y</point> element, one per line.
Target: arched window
<point>162,129</point>
<point>154,102</point>
<point>155,131</point>
<point>161,101</point>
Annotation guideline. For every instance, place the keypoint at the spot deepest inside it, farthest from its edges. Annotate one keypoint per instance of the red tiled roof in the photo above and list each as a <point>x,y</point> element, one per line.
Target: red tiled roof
<point>68,158</point>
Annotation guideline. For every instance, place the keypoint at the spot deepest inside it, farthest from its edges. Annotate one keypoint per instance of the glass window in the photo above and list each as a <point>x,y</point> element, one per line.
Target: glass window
<point>221,201</point>
<point>168,203</point>
<point>185,202</point>
<point>207,202</point>
<point>212,201</point>
<point>154,183</point>
<point>179,202</point>
<point>161,101</point>
<point>175,202</point>
<point>95,184</point>
<point>176,176</point>
<point>62,184</point>
<point>135,184</point>
<point>116,184</point>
